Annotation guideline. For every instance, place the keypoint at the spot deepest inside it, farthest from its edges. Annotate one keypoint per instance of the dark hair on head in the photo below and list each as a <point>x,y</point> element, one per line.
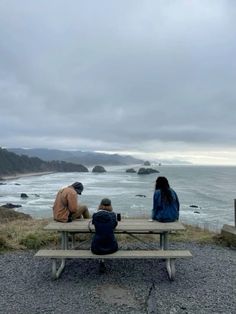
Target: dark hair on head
<point>163,185</point>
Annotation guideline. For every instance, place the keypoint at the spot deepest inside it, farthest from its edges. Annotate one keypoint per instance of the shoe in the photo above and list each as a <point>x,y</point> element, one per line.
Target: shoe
<point>102,267</point>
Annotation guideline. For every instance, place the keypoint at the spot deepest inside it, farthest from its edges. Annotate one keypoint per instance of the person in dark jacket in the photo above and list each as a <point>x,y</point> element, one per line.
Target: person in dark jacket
<point>165,202</point>
<point>105,221</point>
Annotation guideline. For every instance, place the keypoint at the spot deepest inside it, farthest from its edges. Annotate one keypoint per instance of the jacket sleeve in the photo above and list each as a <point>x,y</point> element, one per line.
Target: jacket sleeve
<point>177,201</point>
<point>72,202</point>
<point>156,202</point>
<point>93,217</point>
<point>115,220</point>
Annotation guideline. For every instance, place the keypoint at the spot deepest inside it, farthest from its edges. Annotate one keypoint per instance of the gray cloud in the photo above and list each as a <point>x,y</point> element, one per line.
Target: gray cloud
<point>134,76</point>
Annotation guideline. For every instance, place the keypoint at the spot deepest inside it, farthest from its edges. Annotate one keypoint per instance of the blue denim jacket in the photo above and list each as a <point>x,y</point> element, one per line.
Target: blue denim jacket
<point>165,212</point>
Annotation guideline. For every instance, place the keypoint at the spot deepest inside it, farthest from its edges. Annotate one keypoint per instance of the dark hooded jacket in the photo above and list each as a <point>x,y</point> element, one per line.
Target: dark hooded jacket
<point>104,241</point>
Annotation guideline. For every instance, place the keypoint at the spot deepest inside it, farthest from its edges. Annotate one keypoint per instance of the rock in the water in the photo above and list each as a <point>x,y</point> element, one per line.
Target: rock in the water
<point>130,170</point>
<point>196,212</point>
<point>99,169</point>
<point>140,195</point>
<point>24,195</point>
<point>147,171</point>
<point>193,206</point>
<point>10,205</point>
<point>147,163</point>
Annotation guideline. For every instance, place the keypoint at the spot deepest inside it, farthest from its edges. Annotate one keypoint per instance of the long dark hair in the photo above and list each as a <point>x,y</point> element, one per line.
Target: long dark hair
<point>163,185</point>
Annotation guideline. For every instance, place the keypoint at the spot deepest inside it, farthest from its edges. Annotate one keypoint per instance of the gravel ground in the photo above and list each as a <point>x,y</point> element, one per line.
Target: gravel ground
<point>204,284</point>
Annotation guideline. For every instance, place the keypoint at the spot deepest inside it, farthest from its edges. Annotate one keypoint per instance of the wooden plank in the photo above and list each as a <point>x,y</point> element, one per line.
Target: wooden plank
<point>135,254</point>
<point>229,229</point>
<point>228,233</point>
<point>126,225</point>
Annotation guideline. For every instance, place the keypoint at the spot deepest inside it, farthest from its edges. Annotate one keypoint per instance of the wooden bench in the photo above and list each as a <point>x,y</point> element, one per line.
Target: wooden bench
<point>168,255</point>
<point>131,227</point>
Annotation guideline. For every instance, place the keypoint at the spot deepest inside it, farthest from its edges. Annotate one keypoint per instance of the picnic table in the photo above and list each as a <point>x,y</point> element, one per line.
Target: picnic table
<point>132,227</point>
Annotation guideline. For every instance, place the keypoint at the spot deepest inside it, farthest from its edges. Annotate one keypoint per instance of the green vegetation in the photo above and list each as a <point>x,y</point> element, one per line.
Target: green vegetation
<point>196,234</point>
<point>26,234</point>
<point>11,163</point>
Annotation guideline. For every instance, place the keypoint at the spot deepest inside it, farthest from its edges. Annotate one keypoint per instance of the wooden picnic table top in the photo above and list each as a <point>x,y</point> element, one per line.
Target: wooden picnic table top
<point>125,225</point>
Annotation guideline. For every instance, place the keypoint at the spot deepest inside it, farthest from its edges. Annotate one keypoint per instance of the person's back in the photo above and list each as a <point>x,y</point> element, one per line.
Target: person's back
<point>104,241</point>
<point>164,211</point>
<point>165,202</point>
<point>66,207</point>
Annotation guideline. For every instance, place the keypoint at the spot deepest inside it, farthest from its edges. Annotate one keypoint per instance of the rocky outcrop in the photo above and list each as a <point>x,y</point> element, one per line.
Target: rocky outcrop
<point>10,205</point>
<point>99,169</point>
<point>147,171</point>
<point>130,170</point>
<point>146,163</point>
<point>24,195</point>
<point>7,214</point>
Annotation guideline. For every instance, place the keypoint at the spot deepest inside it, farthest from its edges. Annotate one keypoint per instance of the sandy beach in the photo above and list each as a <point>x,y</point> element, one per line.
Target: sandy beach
<point>20,175</point>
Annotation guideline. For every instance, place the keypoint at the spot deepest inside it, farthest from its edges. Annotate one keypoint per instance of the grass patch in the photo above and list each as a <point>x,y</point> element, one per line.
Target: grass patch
<point>195,234</point>
<point>26,234</point>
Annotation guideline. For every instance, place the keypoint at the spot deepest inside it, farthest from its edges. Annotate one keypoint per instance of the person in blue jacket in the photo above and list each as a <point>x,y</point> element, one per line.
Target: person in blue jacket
<point>165,202</point>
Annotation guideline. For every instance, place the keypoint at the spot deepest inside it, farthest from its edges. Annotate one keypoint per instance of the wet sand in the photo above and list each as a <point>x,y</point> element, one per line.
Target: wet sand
<point>21,175</point>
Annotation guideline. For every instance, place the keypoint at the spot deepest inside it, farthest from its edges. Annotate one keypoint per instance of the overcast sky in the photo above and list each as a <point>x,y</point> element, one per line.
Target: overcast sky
<point>156,78</point>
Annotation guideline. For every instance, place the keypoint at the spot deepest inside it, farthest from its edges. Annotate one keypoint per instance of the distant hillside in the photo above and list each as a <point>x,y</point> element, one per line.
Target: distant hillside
<point>11,163</point>
<point>78,157</point>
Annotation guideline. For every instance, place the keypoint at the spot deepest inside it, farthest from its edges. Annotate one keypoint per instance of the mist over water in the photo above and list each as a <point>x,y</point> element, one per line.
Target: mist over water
<point>210,188</point>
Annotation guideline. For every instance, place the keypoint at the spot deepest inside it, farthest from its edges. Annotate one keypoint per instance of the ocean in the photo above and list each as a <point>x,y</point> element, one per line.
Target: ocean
<point>206,193</point>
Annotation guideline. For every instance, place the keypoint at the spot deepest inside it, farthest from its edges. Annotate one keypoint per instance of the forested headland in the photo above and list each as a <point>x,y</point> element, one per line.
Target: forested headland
<point>11,164</point>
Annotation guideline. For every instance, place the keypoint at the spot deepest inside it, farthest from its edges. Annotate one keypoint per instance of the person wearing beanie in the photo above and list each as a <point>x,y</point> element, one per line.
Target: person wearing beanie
<point>105,221</point>
<point>105,205</point>
<point>66,207</point>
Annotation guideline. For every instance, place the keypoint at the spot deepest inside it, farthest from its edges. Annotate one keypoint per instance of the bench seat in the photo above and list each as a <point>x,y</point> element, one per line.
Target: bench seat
<point>134,254</point>
<point>168,255</point>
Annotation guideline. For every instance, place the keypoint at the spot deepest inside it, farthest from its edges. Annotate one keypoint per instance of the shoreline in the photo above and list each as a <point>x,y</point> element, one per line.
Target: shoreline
<point>22,175</point>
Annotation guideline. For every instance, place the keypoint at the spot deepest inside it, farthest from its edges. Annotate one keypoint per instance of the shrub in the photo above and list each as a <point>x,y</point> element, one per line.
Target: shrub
<point>31,241</point>
<point>34,241</point>
<point>3,243</point>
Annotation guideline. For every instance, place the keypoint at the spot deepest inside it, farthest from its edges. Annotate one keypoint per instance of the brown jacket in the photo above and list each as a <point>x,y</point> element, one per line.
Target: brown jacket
<point>65,203</point>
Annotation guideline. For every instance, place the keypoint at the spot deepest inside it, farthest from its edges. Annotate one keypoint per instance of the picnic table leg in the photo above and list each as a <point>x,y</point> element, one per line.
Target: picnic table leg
<point>72,240</point>
<point>170,266</point>
<point>164,242</point>
<point>63,240</point>
<point>57,272</point>
<point>161,241</point>
<point>64,245</point>
<point>66,235</point>
<point>170,262</point>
